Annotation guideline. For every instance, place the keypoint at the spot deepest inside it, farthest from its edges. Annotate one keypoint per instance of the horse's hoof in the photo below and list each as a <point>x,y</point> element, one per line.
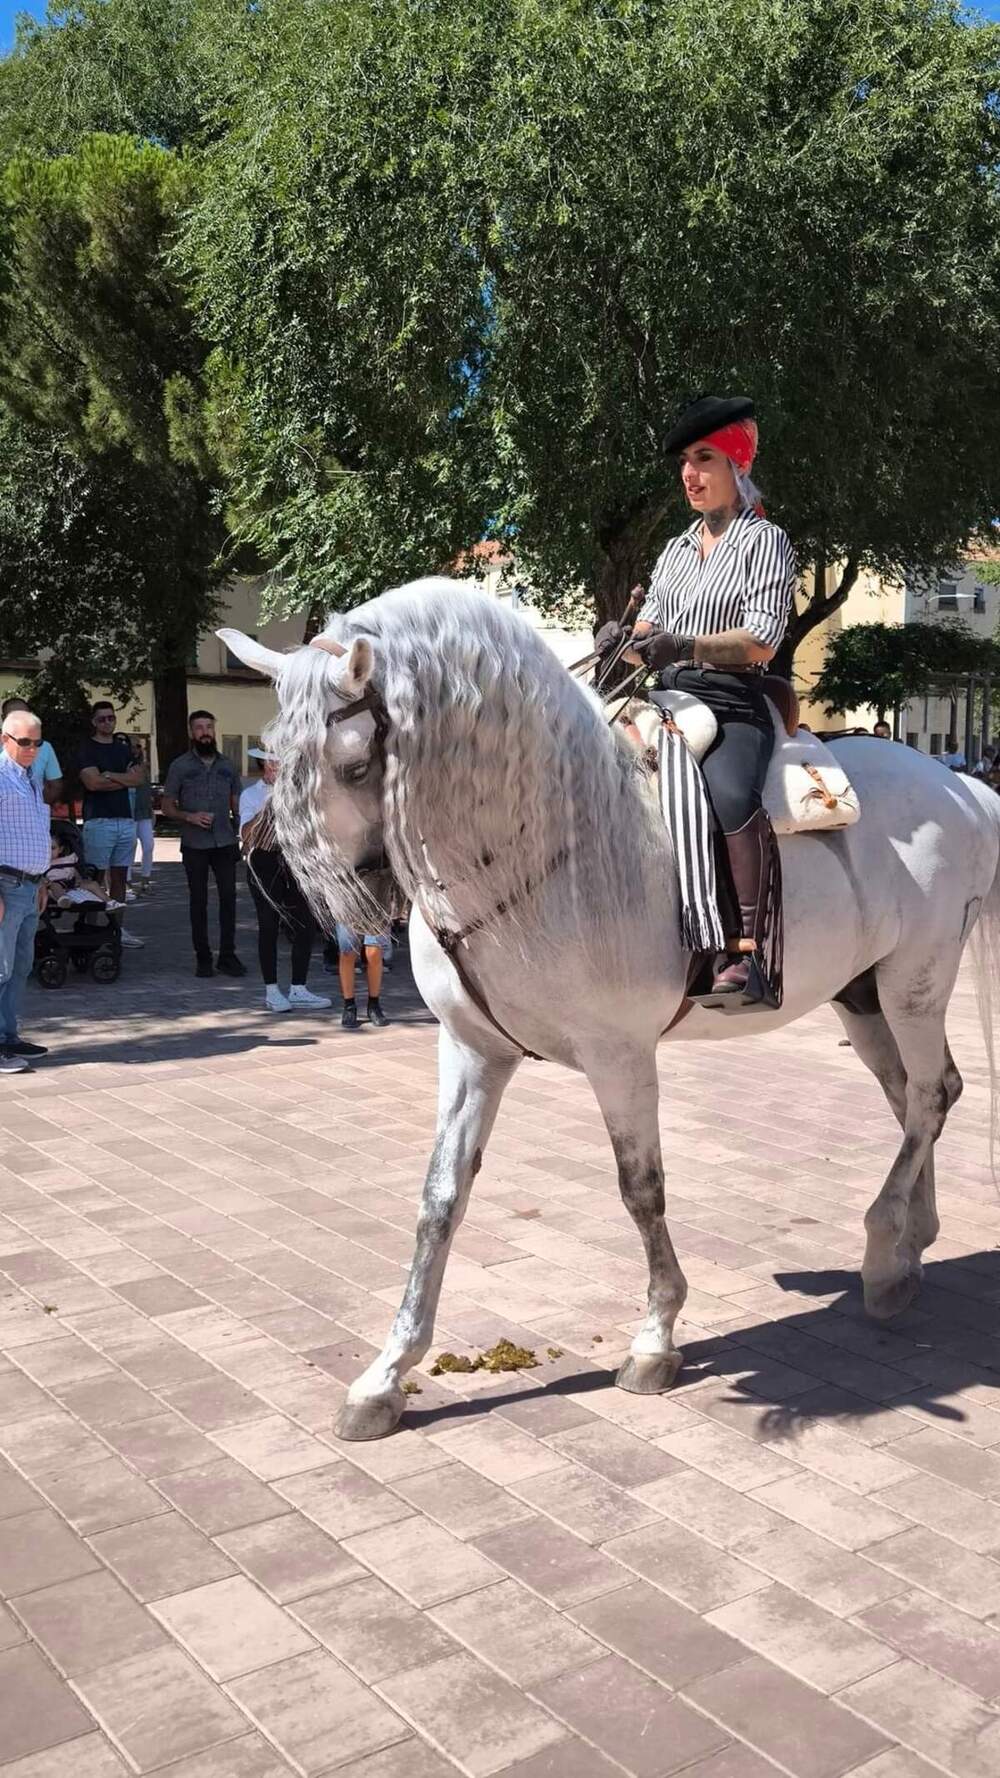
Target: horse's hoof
<point>649,1374</point>
<point>374,1417</point>
<point>883,1302</point>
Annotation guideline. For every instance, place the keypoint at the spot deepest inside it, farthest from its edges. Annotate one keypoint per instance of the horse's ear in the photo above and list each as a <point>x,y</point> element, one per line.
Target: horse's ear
<point>350,673</point>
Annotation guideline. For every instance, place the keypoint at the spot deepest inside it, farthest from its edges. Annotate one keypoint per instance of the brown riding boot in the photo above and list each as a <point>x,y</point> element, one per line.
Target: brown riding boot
<point>748,850</point>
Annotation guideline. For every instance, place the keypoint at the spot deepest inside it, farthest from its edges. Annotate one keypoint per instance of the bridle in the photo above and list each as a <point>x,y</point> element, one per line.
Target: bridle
<point>372,702</point>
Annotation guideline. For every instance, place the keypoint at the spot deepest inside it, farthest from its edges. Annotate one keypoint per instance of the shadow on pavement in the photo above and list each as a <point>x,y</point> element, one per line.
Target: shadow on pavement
<point>828,1364</point>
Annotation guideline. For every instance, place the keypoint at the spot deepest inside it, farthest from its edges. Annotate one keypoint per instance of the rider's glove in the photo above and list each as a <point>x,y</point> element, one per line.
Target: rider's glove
<point>608,638</point>
<point>663,648</point>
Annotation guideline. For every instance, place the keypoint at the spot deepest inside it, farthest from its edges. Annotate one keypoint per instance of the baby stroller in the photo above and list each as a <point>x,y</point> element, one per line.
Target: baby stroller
<point>86,937</point>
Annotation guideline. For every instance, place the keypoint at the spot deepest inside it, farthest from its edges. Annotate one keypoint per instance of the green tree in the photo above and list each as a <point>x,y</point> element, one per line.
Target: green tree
<point>880,666</point>
<point>462,263</point>
<point>101,364</point>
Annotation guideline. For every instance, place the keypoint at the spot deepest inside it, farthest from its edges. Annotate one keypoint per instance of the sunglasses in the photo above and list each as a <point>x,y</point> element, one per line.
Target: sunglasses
<point>19,743</point>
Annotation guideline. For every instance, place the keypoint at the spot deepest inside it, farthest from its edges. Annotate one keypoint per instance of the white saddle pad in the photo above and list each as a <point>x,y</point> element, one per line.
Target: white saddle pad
<point>806,789</point>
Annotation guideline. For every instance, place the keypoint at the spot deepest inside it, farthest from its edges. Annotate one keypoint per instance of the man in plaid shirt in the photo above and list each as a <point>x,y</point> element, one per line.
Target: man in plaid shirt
<point>25,851</point>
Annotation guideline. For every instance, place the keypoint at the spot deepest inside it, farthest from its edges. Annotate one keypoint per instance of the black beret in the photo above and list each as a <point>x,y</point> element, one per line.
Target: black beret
<point>706,415</point>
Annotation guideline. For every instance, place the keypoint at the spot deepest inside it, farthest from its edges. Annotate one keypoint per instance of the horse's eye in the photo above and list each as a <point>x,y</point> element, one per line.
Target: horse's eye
<point>355,774</point>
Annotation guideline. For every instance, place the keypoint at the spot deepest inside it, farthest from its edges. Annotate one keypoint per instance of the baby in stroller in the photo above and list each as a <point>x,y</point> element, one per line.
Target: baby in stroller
<point>64,882</point>
<point>79,923</point>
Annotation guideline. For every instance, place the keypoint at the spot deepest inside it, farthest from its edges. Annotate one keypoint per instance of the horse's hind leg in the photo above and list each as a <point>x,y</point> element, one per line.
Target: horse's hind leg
<point>905,1047</point>
<point>628,1095</point>
<point>471,1087</point>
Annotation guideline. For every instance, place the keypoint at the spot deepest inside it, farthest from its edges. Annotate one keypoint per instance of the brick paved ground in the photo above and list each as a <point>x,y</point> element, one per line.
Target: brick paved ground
<point>791,1564</point>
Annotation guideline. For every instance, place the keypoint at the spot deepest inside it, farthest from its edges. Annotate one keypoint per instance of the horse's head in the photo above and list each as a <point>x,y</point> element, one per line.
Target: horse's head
<point>328,796</point>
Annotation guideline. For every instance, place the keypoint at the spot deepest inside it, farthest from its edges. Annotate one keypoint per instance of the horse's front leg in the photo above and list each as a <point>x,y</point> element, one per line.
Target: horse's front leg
<point>628,1095</point>
<point>470,1088</point>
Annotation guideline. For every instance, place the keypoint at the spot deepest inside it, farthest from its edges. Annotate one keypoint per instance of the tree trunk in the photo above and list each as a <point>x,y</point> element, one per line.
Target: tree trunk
<point>314,621</point>
<point>626,564</point>
<point>819,606</point>
<point>170,707</point>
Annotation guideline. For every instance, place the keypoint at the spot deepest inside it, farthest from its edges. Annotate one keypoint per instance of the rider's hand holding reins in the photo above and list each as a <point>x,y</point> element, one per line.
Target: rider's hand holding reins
<point>663,648</point>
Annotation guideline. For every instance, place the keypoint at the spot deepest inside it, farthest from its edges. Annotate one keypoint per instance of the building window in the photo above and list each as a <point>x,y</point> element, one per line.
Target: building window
<point>233,662</point>
<point>947,595</point>
<point>935,743</point>
<point>912,740</point>
<point>232,747</point>
<point>979,599</point>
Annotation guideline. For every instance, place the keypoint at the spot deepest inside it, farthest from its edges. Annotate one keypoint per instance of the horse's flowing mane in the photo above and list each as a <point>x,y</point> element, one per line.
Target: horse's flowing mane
<point>501,774</point>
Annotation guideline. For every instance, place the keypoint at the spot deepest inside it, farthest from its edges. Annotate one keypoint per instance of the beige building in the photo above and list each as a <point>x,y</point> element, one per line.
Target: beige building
<point>870,601</point>
<point>240,700</point>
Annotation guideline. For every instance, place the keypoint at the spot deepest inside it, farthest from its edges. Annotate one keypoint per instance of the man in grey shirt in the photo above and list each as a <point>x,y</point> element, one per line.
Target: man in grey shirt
<point>202,793</point>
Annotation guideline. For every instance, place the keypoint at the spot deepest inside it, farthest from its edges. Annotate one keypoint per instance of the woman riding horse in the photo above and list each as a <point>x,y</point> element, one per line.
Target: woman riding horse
<point>715,614</point>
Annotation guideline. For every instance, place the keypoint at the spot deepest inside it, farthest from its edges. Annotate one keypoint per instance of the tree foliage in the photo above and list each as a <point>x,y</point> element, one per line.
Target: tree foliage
<point>100,363</point>
<point>880,666</point>
<point>456,289</point>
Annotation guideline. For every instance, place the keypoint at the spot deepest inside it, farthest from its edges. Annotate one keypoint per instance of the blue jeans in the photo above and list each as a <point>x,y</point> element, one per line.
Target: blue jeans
<point>17,950</point>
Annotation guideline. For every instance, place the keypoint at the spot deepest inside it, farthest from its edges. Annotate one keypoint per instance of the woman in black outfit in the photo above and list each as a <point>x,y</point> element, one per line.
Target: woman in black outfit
<point>278,900</point>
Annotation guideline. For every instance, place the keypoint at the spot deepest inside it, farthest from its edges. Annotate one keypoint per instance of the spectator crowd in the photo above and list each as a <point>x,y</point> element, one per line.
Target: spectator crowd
<point>80,877</point>
<point>55,869</point>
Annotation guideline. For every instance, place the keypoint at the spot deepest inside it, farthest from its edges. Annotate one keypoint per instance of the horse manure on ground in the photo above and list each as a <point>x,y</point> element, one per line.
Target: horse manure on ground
<point>504,1356</point>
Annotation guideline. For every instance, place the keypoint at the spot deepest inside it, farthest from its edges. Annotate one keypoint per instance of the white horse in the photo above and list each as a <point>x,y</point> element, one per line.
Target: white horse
<point>436,727</point>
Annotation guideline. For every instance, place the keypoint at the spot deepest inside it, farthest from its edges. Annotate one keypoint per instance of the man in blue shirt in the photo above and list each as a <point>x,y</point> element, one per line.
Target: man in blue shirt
<point>45,768</point>
<point>25,851</point>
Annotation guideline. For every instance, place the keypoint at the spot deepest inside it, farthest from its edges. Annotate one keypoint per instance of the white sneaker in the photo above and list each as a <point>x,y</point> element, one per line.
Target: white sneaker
<point>130,895</point>
<point>275,1000</point>
<point>301,997</point>
<point>132,944</point>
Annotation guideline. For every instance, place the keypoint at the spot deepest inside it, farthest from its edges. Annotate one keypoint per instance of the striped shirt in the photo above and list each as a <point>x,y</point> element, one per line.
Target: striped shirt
<point>24,821</point>
<point>745,583</point>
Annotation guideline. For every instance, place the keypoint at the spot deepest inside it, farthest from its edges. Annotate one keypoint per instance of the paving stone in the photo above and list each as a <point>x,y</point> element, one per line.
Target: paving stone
<point>39,1709</point>
<point>231,1628</point>
<point>953,1644</point>
<point>316,1712</point>
<point>343,1500</point>
<point>552,1562</point>
<point>220,1496</point>
<point>797,1634</point>
<point>462,1500</point>
<point>960,1577</point>
<point>685,1565</point>
<point>521,1635</point>
<point>656,1633</point>
<point>88,1623</point>
<point>423,1561</point>
<point>89,1757</point>
<point>933,1718</point>
<point>479,1719</point>
<point>248,1757</point>
<point>161,1556</point>
<point>629,1716</point>
<point>809,1735</point>
<point>585,1503</point>
<point>37,1550</point>
<point>289,1557</point>
<point>98,1496</point>
<point>158,1707</point>
<point>372,1630</point>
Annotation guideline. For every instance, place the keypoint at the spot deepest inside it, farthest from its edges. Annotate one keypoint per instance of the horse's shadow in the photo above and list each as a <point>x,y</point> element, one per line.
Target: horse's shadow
<point>828,1363</point>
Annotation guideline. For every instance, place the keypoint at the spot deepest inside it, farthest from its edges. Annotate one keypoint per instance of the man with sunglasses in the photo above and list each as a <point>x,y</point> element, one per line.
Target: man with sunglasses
<point>107,775</point>
<point>25,849</point>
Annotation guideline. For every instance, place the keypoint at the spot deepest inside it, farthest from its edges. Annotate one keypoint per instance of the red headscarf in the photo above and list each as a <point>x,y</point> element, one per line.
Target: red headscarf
<point>738,442</point>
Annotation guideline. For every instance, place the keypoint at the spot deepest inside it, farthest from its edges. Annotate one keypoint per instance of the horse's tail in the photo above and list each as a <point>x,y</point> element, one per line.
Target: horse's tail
<point>985,947</point>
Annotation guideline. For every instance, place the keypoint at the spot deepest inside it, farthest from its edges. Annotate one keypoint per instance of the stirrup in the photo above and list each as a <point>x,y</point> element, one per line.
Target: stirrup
<point>759,993</point>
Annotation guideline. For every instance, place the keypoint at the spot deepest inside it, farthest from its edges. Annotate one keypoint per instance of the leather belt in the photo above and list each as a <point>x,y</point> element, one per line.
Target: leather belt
<point>19,876</point>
